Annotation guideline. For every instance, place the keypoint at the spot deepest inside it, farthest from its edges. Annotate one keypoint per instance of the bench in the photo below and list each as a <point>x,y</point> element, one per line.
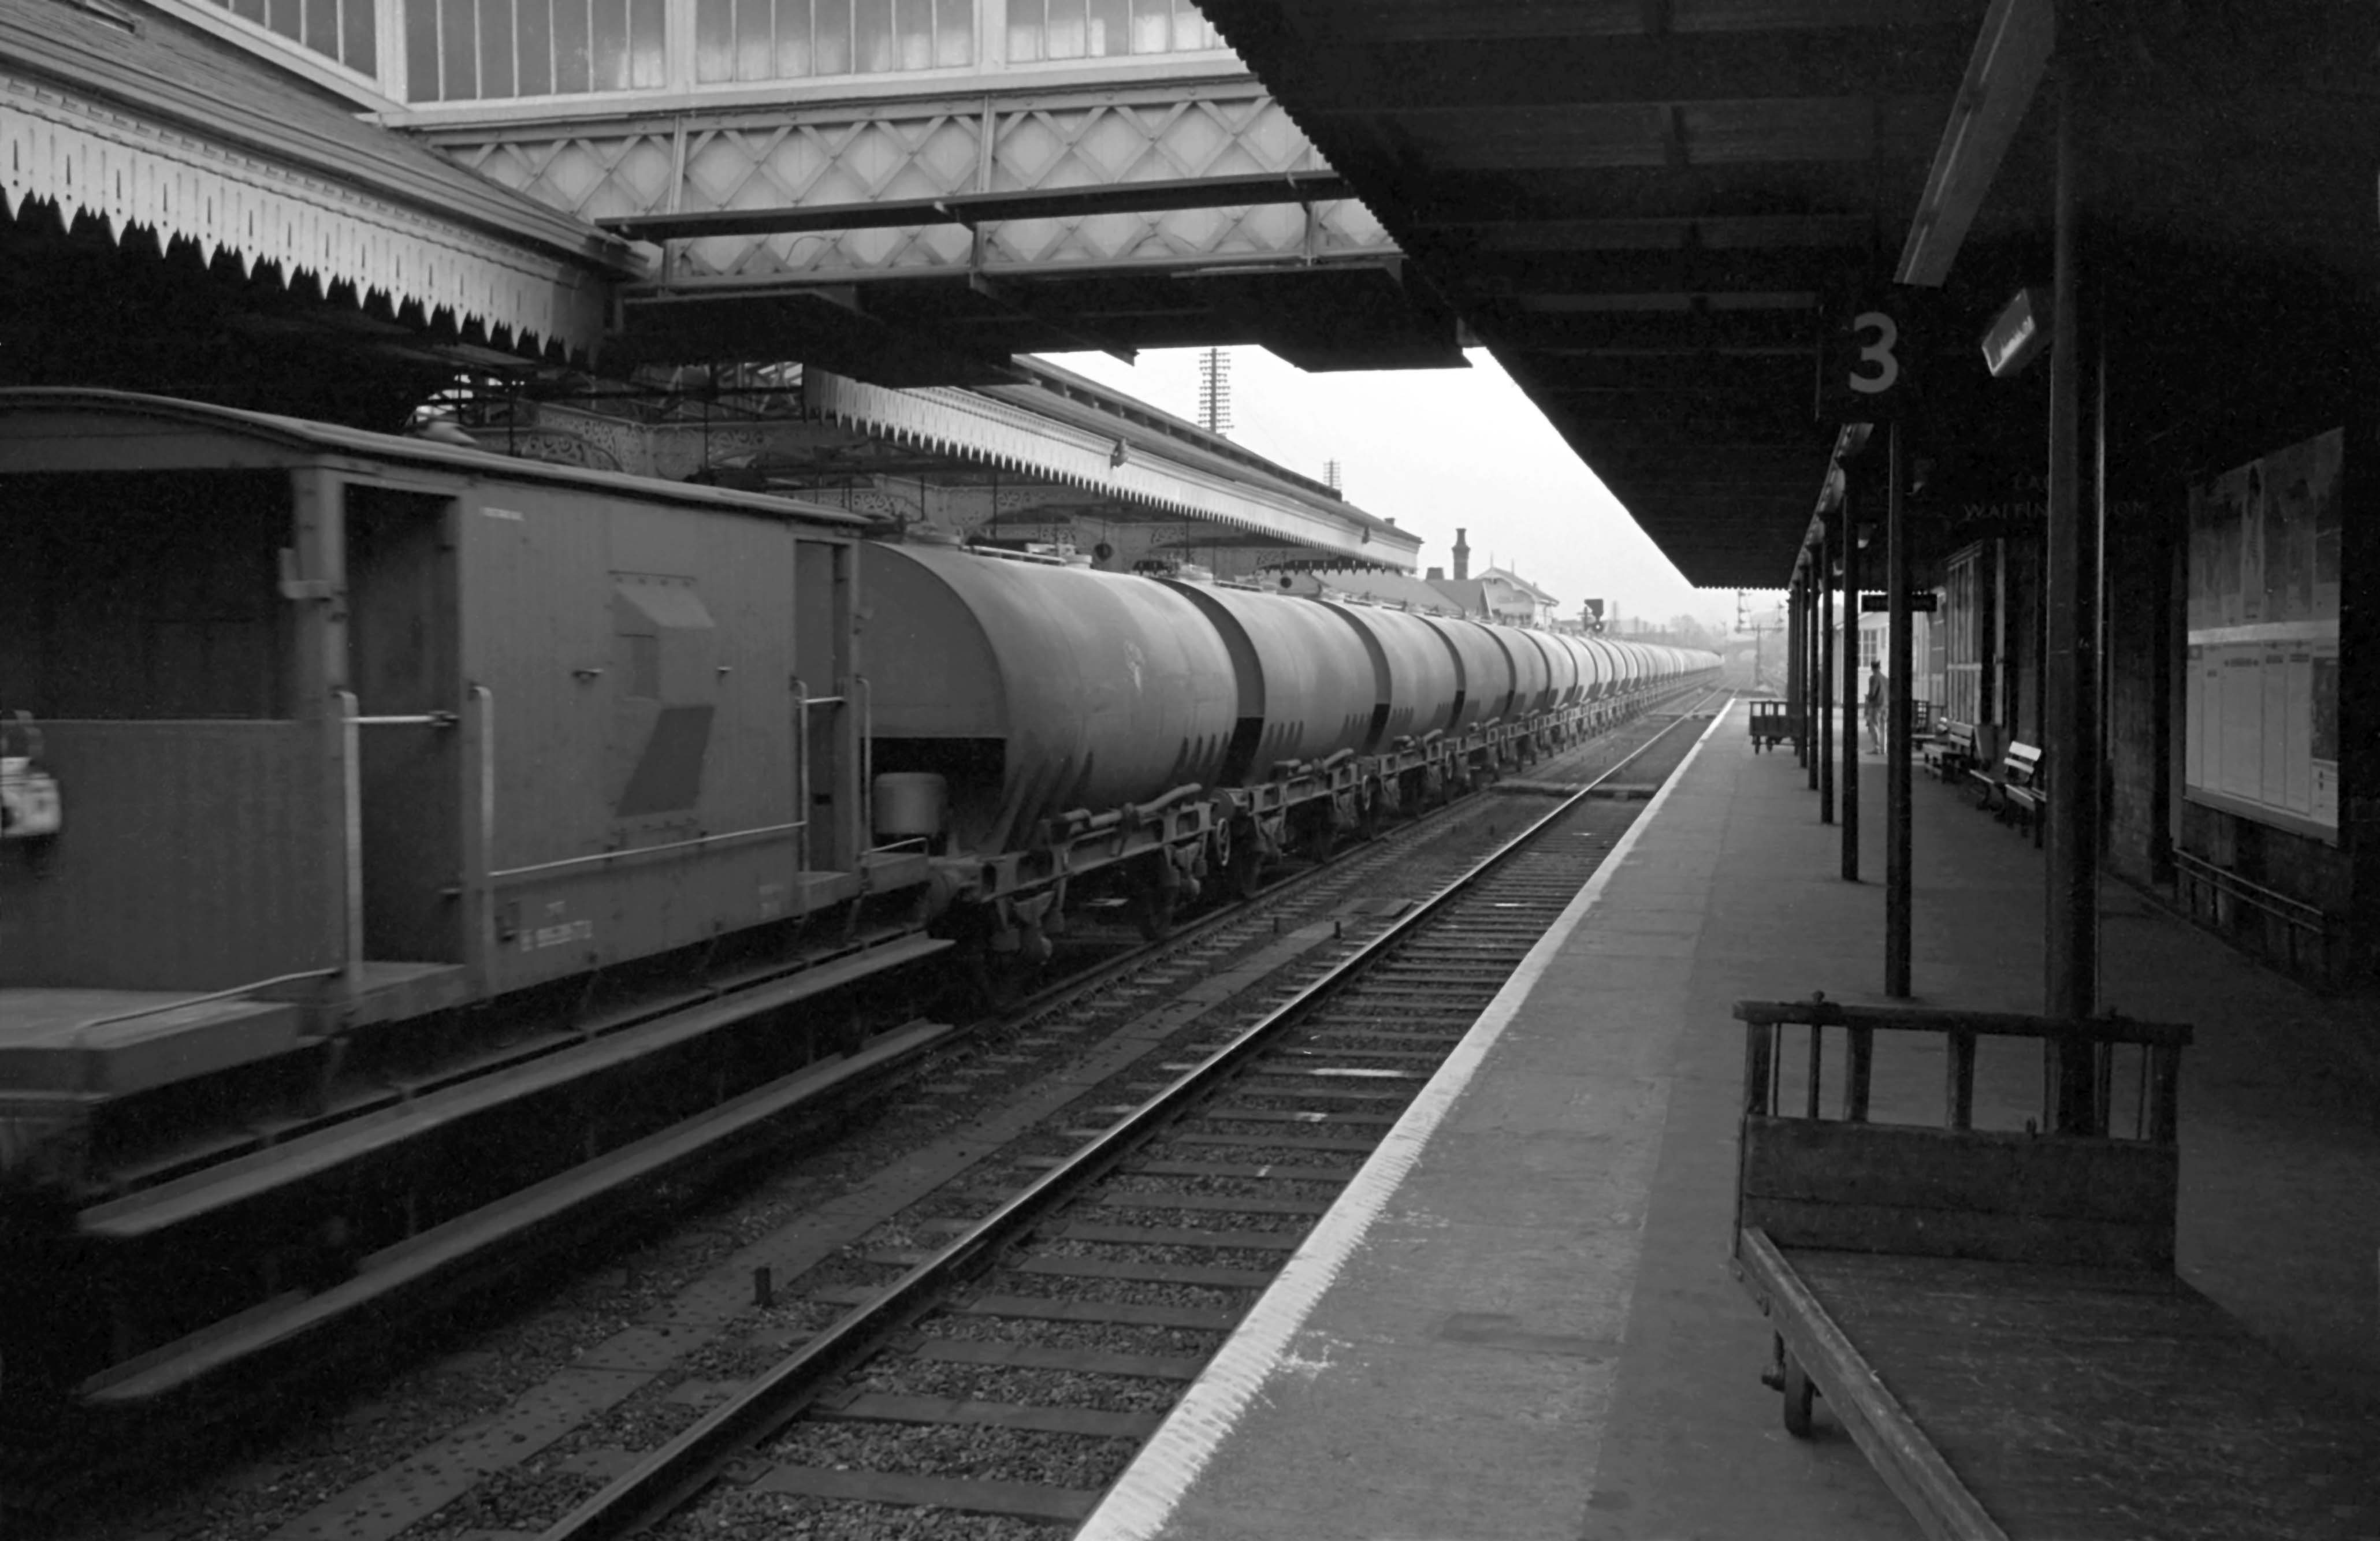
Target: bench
<point>2021,788</point>
<point>1949,753</point>
<point>1950,748</point>
<point>2016,789</point>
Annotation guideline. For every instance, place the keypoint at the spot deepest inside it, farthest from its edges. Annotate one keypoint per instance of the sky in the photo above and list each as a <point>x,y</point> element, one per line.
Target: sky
<point>1435,450</point>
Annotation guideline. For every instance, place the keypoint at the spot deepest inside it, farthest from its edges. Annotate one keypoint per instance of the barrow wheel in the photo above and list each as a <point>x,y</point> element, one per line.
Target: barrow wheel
<point>1798,1394</point>
<point>1244,870</point>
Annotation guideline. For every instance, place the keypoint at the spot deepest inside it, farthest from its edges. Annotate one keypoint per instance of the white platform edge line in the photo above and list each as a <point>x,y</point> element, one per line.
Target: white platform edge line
<point>1144,1496</point>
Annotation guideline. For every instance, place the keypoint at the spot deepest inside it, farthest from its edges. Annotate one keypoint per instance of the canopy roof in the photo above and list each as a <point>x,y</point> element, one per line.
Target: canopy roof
<point>1651,211</point>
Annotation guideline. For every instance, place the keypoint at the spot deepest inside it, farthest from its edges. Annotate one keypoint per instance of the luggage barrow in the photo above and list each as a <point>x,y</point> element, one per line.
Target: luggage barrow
<point>1770,724</point>
<point>1993,1316</point>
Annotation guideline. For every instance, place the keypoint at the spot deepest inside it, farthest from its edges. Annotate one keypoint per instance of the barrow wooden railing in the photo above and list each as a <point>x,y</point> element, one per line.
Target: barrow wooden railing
<point>1949,1189</point>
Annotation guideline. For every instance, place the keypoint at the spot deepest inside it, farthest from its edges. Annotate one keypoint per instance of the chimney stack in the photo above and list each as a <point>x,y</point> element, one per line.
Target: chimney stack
<point>1461,556</point>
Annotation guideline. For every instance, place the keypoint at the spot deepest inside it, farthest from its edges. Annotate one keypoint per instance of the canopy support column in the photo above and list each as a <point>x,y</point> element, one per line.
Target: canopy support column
<point>1832,542</point>
<point>1792,663</point>
<point>1855,497</point>
<point>1896,739</point>
<point>2070,693</point>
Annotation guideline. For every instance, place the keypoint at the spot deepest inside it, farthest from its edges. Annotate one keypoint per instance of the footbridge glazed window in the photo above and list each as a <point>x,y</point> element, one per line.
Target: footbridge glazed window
<point>1104,28</point>
<point>780,40</point>
<point>472,50</point>
<point>340,29</point>
<point>499,50</point>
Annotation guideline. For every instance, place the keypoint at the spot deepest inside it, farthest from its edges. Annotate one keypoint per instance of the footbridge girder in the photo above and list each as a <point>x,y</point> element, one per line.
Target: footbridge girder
<point>912,237</point>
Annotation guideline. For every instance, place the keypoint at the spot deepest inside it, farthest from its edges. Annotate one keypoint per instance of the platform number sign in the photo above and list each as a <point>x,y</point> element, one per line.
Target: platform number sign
<point>1866,372</point>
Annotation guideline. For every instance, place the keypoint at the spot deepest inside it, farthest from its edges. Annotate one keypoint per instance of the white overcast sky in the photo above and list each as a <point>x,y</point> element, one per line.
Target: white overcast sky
<point>1435,450</point>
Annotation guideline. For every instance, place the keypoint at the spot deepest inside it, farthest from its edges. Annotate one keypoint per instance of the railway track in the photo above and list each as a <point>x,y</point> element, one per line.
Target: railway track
<point>1169,1218</point>
<point>1164,1008</point>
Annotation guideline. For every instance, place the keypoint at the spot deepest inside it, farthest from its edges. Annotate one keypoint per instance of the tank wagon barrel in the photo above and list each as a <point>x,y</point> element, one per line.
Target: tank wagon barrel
<point>1483,672</point>
<point>1065,735</point>
<point>1532,674</point>
<point>1308,685</point>
<point>1416,678</point>
<point>1036,688</point>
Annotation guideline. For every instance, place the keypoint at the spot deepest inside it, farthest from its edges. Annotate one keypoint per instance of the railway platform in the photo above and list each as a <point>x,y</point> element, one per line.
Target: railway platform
<point>1521,1322</point>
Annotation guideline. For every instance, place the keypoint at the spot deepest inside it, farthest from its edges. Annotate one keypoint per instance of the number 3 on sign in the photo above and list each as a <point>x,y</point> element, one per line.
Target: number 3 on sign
<point>1877,369</point>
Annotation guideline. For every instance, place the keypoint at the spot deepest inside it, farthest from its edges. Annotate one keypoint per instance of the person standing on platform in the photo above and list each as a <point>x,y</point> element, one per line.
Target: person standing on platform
<point>1872,705</point>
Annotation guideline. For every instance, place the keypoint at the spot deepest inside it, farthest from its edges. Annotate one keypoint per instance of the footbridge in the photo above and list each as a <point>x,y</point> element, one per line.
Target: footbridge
<point>928,231</point>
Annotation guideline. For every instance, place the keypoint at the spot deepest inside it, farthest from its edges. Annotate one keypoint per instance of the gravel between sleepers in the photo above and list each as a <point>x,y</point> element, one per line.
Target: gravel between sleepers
<point>1233,1187</point>
<point>1157,1213</point>
<point>1320,1129</point>
<point>957,1450</point>
<point>528,1497</point>
<point>1116,1292</point>
<point>1255,1156</point>
<point>1385,1040</point>
<point>1260,1259</point>
<point>1289,1099</point>
<point>1172,1342</point>
<point>1032,1388</point>
<point>731,1515</point>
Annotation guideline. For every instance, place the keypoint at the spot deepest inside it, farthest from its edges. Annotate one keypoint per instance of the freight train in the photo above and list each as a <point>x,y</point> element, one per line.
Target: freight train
<point>410,822</point>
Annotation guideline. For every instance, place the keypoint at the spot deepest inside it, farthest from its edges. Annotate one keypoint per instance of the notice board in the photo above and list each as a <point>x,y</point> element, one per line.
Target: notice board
<point>2261,724</point>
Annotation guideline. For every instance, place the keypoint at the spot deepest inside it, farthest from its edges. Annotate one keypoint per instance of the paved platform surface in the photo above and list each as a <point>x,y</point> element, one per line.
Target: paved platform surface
<point>1534,1332</point>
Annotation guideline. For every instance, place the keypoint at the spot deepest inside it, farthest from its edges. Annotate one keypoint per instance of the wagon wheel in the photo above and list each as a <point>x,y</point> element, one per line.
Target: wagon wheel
<point>1315,840</point>
<point>1244,866</point>
<point>1798,1395</point>
<point>998,980</point>
<point>1152,911</point>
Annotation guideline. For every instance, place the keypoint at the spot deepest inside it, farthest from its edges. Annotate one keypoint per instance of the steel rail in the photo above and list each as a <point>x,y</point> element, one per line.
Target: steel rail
<point>663,1481</point>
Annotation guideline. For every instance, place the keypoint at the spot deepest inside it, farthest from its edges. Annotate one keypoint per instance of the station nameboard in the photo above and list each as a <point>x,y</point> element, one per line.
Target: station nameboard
<point>1920,602</point>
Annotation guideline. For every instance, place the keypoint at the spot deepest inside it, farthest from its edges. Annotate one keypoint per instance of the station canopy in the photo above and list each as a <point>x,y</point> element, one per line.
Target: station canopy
<point>1653,211</point>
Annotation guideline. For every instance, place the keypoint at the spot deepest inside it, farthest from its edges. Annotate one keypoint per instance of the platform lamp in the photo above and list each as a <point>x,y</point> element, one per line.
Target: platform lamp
<point>2019,334</point>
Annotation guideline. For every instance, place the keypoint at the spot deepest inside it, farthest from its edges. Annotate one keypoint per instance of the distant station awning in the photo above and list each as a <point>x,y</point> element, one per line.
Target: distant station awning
<point>1060,427</point>
<point>1047,457</point>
